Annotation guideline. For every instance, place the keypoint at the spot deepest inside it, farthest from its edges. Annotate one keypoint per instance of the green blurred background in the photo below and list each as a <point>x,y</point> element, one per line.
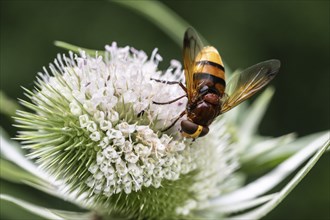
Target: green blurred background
<point>245,32</point>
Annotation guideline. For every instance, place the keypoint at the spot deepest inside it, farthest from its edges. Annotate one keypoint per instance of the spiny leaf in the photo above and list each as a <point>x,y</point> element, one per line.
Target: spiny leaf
<point>269,206</point>
<point>45,212</point>
<point>7,105</point>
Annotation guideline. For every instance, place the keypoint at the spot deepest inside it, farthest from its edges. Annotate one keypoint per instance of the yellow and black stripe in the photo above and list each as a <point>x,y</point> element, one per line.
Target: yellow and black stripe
<point>209,67</point>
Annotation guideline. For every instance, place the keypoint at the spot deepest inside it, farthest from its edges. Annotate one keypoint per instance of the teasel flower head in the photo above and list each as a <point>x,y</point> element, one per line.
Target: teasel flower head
<point>96,131</point>
<point>95,138</point>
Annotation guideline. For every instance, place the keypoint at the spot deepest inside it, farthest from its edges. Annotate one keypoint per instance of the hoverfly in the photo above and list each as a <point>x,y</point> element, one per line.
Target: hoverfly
<point>206,89</point>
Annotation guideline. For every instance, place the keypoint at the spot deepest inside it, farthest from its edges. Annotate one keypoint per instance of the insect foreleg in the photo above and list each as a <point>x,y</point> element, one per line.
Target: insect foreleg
<point>173,123</point>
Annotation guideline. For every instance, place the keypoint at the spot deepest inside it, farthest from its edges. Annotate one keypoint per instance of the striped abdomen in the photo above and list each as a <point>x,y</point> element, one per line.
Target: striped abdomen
<point>209,70</point>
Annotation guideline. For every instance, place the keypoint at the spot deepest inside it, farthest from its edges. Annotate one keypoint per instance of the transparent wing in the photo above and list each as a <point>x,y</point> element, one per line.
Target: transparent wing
<point>192,45</point>
<point>245,84</point>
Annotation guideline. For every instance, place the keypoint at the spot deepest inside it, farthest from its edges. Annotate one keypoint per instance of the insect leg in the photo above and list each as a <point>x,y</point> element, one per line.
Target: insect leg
<point>141,113</point>
<point>173,123</point>
<point>171,83</point>
<point>169,102</point>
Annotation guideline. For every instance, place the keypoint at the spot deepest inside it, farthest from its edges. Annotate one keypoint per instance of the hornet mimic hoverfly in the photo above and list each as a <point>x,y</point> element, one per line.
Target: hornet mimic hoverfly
<point>206,89</point>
